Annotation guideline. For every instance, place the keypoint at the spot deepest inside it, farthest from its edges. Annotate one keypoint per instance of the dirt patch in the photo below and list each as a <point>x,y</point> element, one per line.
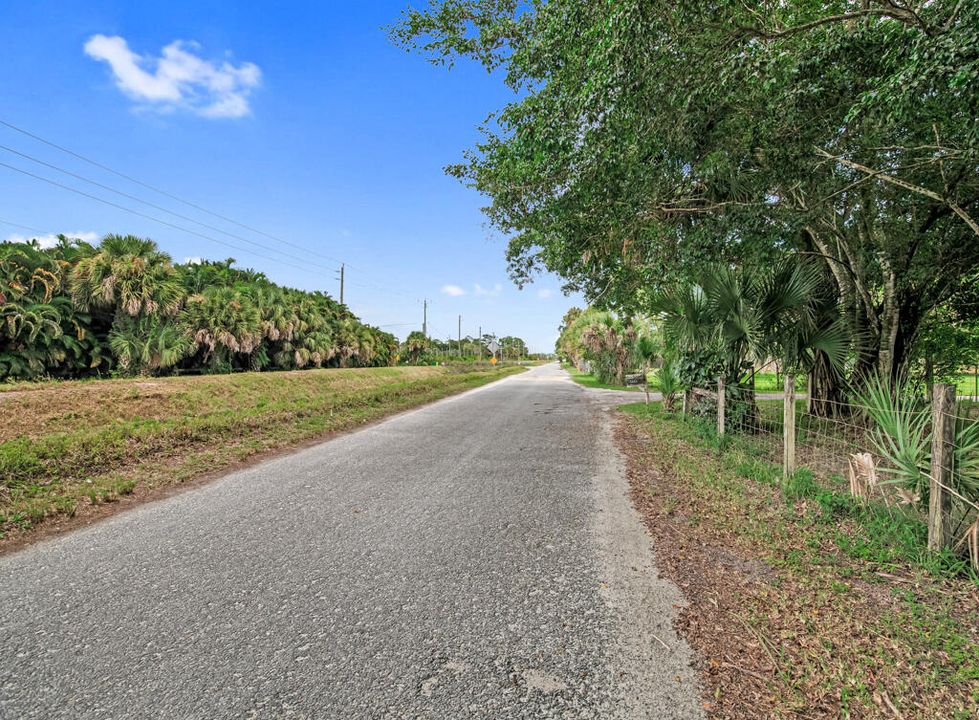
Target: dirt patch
<point>783,623</point>
<point>734,667</point>
<point>751,568</point>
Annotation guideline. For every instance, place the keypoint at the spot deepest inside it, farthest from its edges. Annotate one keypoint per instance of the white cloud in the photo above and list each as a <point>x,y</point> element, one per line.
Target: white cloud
<point>480,291</point>
<point>178,78</point>
<point>453,290</point>
<point>545,293</point>
<point>51,239</point>
<point>193,260</point>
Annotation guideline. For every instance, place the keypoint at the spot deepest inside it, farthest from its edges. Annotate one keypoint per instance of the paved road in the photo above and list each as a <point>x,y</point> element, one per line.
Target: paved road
<point>476,558</point>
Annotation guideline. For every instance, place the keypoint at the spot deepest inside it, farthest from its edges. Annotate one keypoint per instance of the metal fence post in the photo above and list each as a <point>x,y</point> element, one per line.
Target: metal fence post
<point>720,407</point>
<point>788,427</point>
<point>942,449</point>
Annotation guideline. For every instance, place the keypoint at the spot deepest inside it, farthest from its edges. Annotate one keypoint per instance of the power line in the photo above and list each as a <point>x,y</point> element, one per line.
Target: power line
<point>177,198</point>
<point>153,205</point>
<point>149,217</point>
<point>136,181</point>
<point>25,227</point>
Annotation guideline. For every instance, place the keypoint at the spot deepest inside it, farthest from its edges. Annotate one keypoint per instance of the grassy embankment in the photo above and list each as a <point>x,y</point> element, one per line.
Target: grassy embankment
<point>802,601</point>
<point>67,447</point>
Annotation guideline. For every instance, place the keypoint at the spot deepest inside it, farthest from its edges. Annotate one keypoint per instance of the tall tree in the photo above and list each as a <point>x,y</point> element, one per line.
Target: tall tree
<point>648,139</point>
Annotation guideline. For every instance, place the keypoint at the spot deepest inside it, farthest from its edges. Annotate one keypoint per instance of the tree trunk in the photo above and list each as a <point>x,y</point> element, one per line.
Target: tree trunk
<point>826,396</point>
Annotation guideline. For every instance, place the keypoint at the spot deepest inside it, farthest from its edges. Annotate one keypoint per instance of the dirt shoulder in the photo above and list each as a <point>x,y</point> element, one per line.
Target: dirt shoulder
<point>795,608</point>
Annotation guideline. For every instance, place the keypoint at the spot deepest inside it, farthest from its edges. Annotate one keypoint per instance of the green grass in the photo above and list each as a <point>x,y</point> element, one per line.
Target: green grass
<point>69,445</point>
<point>835,558</point>
<point>769,382</point>
<point>590,381</point>
<point>966,384</point>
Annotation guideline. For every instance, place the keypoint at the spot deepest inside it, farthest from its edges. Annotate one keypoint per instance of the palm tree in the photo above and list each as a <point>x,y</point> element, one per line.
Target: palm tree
<point>734,319</point>
<point>41,330</point>
<point>146,344</point>
<point>71,309</point>
<point>128,275</point>
<point>414,346</point>
<point>223,322</point>
<point>609,341</point>
<point>645,350</point>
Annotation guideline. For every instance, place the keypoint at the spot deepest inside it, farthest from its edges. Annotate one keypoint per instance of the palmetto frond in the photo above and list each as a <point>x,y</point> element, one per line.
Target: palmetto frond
<point>130,274</point>
<point>749,316</point>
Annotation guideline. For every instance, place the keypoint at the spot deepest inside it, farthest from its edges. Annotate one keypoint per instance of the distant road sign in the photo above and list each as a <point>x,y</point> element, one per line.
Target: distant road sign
<point>492,346</point>
<point>493,360</point>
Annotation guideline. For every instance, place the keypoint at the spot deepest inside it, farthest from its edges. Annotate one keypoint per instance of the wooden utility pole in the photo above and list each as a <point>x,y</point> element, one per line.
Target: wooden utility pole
<point>942,449</point>
<point>788,427</point>
<point>341,283</point>
<point>425,318</point>
<point>460,336</point>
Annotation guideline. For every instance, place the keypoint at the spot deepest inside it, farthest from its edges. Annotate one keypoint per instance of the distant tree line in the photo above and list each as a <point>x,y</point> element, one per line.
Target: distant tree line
<point>123,306</point>
<point>417,348</point>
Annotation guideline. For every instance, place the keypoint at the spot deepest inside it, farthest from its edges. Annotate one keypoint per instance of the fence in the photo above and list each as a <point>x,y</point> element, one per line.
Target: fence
<point>897,455</point>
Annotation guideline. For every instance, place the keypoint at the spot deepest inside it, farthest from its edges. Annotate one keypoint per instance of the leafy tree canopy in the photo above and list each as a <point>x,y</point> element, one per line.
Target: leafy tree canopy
<point>648,139</point>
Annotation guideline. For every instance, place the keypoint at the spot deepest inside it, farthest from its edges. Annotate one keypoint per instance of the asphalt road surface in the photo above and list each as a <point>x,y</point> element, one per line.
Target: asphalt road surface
<point>475,558</point>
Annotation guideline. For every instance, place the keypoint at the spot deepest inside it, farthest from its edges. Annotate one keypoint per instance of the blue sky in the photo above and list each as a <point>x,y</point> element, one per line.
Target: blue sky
<point>300,120</point>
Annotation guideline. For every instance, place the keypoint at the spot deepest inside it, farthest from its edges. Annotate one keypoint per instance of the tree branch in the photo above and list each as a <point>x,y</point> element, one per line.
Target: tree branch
<point>880,175</point>
<point>891,11</point>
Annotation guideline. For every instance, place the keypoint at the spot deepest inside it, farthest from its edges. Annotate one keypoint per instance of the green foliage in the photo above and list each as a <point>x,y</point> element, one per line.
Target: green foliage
<point>949,341</point>
<point>668,381</point>
<point>513,348</point>
<point>41,330</point>
<point>734,319</point>
<point>902,435</point>
<point>75,309</point>
<point>647,141</point>
<point>128,275</point>
<point>609,344</point>
<point>414,346</point>
<point>147,344</point>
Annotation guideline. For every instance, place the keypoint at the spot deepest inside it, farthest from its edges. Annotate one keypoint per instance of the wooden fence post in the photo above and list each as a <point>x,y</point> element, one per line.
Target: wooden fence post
<point>788,427</point>
<point>942,448</point>
<point>686,401</point>
<point>720,407</point>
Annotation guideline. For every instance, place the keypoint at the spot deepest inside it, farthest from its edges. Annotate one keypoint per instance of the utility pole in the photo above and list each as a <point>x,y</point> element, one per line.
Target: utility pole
<point>341,283</point>
<point>460,336</point>
<point>425,319</point>
<point>479,344</point>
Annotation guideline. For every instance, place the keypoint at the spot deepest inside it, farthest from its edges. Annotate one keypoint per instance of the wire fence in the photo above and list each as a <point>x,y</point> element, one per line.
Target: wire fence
<point>919,457</point>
